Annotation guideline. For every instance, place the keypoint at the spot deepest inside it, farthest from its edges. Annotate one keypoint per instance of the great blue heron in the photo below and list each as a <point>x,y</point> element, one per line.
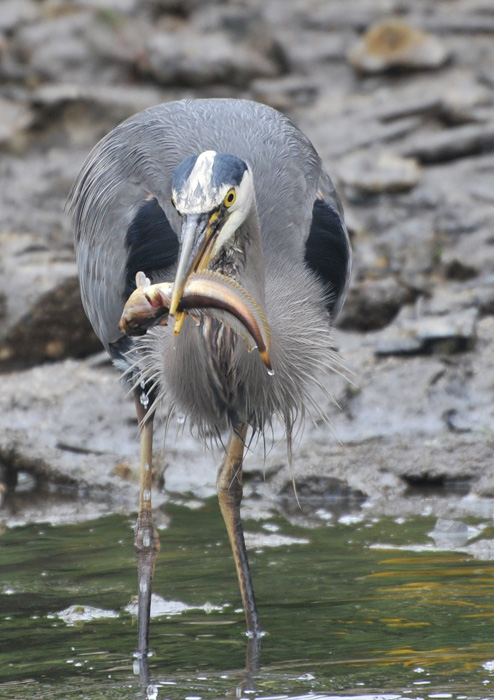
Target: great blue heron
<point>224,205</point>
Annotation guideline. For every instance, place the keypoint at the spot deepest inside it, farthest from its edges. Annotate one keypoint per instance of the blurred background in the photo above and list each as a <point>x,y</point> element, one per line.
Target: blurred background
<point>398,98</point>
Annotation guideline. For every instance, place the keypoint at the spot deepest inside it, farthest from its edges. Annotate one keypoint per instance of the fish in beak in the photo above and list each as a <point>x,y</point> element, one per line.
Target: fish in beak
<point>205,293</point>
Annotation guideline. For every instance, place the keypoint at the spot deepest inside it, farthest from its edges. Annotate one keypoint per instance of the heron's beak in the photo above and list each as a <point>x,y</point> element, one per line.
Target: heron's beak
<point>195,254</point>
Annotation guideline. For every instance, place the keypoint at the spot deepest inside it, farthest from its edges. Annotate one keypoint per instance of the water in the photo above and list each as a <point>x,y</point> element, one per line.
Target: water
<point>365,609</point>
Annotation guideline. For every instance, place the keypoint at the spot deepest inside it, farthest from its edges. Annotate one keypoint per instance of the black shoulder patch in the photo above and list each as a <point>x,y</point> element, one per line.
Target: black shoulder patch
<point>327,251</point>
<point>151,243</point>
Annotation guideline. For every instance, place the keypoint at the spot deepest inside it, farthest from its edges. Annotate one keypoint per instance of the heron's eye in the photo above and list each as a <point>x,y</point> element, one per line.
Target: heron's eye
<point>230,198</point>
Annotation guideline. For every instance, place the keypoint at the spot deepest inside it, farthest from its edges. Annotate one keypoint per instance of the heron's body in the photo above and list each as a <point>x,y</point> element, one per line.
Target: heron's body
<point>290,252</point>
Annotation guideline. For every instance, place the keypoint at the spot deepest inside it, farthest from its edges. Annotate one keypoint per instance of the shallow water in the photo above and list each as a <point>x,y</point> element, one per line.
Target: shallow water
<point>354,607</point>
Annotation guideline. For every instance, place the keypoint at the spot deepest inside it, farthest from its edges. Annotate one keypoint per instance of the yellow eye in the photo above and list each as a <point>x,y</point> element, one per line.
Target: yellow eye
<point>230,198</point>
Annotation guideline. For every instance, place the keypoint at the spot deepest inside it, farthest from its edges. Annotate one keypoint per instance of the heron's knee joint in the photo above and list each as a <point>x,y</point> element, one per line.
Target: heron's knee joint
<point>146,538</point>
<point>230,493</point>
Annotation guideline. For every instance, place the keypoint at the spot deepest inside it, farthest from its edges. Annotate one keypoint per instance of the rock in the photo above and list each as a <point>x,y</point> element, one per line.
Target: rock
<point>463,100</point>
<point>54,328</point>
<point>284,93</point>
<point>474,251</point>
<point>245,26</point>
<point>449,458</point>
<point>373,304</point>
<point>451,534</point>
<point>188,58</point>
<point>111,9</point>
<point>369,172</point>
<point>476,294</point>
<point>441,146</point>
<point>14,13</point>
<point>448,22</point>
<point>64,410</point>
<point>356,132</point>
<point>482,550</point>
<point>77,615</point>
<point>448,334</point>
<point>321,489</point>
<point>393,44</point>
<point>43,315</point>
<point>55,46</point>
<point>76,45</point>
<point>303,49</point>
<point>15,118</point>
<point>344,16</point>
<point>455,269</point>
<point>178,7</point>
<point>410,422</point>
<point>85,113</point>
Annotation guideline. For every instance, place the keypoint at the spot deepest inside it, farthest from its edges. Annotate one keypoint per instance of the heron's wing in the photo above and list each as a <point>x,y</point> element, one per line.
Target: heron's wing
<point>120,226</point>
<point>327,248</point>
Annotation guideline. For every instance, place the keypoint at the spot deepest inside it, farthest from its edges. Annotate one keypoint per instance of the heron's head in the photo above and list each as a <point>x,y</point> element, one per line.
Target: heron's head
<point>213,193</point>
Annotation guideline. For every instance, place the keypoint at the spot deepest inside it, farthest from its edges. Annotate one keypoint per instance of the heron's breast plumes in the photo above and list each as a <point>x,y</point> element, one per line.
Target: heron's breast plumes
<point>207,293</point>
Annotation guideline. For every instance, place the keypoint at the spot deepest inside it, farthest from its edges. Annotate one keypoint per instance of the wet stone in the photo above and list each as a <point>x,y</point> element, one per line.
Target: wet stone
<point>73,108</point>
<point>447,334</point>
<point>373,304</point>
<point>283,93</point>
<point>190,58</point>
<point>443,146</point>
<point>320,489</point>
<point>54,328</point>
<point>393,44</point>
<point>374,173</point>
<point>449,534</point>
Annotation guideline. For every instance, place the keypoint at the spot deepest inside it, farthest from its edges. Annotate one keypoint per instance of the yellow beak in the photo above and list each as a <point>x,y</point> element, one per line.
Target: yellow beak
<point>195,255</point>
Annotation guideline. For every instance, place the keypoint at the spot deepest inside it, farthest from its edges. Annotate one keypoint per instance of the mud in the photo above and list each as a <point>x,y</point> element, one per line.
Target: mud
<point>410,145</point>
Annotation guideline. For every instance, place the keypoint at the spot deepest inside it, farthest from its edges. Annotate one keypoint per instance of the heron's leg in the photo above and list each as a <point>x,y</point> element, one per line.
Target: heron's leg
<point>229,485</point>
<point>146,539</point>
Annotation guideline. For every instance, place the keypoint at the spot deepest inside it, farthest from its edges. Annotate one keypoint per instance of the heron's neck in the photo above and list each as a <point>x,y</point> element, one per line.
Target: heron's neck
<point>244,260</point>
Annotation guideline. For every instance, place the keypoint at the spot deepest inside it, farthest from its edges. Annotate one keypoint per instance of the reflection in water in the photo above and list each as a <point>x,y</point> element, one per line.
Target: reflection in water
<point>252,666</point>
<point>141,668</point>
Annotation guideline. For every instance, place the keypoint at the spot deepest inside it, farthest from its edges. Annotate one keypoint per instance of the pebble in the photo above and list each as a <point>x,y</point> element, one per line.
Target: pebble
<point>393,43</point>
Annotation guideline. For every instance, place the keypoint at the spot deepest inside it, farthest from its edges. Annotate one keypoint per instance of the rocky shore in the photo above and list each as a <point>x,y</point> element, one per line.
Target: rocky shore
<point>398,98</point>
